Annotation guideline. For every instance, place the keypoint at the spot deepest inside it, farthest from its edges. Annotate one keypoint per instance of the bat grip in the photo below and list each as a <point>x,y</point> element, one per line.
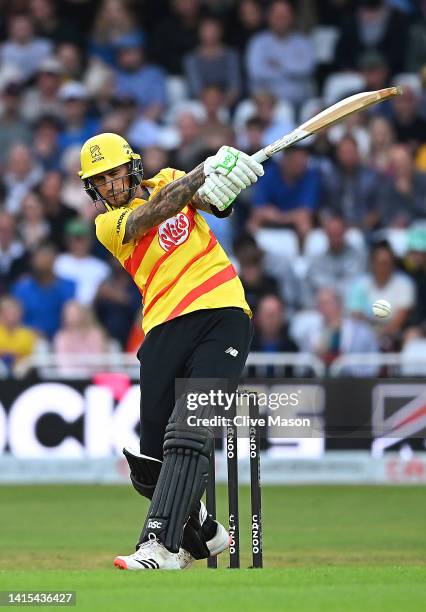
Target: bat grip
<point>260,156</point>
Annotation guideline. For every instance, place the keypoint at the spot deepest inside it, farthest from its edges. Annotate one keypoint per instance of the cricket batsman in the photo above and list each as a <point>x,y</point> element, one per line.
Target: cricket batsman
<point>196,321</point>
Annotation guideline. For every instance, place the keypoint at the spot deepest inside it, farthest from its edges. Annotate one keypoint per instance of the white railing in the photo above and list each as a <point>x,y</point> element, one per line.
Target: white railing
<point>399,364</point>
<point>83,366</point>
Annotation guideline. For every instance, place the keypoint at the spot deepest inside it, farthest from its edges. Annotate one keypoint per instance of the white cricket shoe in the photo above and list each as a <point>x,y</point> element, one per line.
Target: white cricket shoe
<point>150,555</point>
<point>216,545</point>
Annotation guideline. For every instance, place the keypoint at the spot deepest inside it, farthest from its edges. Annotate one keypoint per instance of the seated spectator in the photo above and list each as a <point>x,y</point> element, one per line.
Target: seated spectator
<point>405,200</point>
<point>382,138</point>
<point>16,341</point>
<point>179,29</point>
<point>255,281</point>
<point>49,24</point>
<point>280,59</point>
<point>416,54</point>
<point>383,282</point>
<point>287,195</point>
<point>55,211</point>
<point>13,257</point>
<point>22,174</point>
<point>271,333</point>
<point>247,21</point>
<point>351,189</point>
<point>32,226</point>
<point>135,77</point>
<point>13,128</point>
<point>408,124</point>
<point>372,26</point>
<point>42,294</point>
<point>375,70</point>
<point>22,49</point>
<point>212,63</point>
<point>78,265</point>
<point>70,56</point>
<point>117,303</point>
<point>79,334</point>
<point>45,142</point>
<point>338,334</point>
<point>112,21</point>
<point>72,195</point>
<point>415,266</point>
<point>43,99</point>
<point>191,143</point>
<point>338,266</point>
<point>78,127</point>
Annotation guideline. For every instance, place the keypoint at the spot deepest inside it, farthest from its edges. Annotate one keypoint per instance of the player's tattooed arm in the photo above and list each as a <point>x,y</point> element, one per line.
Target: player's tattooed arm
<point>166,203</point>
<point>198,202</point>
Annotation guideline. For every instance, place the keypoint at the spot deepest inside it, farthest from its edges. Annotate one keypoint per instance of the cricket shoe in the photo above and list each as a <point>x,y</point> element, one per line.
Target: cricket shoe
<point>218,543</point>
<point>150,555</point>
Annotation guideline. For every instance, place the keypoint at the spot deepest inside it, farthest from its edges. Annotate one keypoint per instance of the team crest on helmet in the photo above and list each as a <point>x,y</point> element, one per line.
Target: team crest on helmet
<point>173,231</point>
<point>95,152</point>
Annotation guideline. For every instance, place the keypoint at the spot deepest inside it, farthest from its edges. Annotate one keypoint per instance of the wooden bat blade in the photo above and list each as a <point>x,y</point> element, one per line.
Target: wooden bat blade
<point>347,107</point>
<point>327,118</point>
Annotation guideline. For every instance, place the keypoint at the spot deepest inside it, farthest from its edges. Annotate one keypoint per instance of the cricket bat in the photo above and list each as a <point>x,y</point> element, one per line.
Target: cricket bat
<point>326,118</point>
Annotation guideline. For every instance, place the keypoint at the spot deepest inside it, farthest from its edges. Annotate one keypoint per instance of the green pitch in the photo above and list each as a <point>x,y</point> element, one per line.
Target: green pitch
<point>326,548</point>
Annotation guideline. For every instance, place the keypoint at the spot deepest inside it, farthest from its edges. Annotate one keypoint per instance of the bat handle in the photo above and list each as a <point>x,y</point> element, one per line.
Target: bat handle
<point>260,156</point>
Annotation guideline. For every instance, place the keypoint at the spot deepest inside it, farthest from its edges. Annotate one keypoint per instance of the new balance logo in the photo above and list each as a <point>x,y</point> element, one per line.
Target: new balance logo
<point>232,351</point>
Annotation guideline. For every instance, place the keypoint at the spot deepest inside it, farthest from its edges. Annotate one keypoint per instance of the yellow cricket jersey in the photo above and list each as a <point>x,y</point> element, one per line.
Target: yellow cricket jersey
<point>17,343</point>
<point>178,266</point>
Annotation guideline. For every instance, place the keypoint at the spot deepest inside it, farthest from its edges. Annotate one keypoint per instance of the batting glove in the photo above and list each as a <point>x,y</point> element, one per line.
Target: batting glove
<point>219,191</point>
<point>239,167</point>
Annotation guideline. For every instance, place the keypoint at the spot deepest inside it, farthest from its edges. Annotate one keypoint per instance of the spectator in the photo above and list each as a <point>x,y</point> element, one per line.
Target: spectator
<point>117,303</point>
<point>382,138</point>
<point>190,142</point>
<point>351,189</point>
<point>78,126</point>
<point>32,226</point>
<point>416,55</point>
<point>48,24</point>
<point>43,98</point>
<point>79,334</point>
<point>415,266</point>
<point>255,281</point>
<point>112,21</point>
<point>267,110</point>
<point>212,63</point>
<point>22,174</point>
<point>78,265</point>
<point>281,60</point>
<point>22,49</point>
<point>70,56</point>
<point>383,282</point>
<point>409,127</point>
<point>13,128</point>
<point>271,334</point>
<point>56,212</point>
<point>16,341</point>
<point>247,22</point>
<point>72,195</point>
<point>137,78</point>
<point>42,293</point>
<point>13,258</point>
<point>405,201</point>
<point>338,267</point>
<point>180,31</point>
<point>287,195</point>
<point>341,335</point>
<point>45,142</point>
<point>373,26</point>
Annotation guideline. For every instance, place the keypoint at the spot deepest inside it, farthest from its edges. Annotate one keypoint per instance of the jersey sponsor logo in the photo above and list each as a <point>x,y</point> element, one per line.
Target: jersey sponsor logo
<point>120,221</point>
<point>155,524</point>
<point>173,231</point>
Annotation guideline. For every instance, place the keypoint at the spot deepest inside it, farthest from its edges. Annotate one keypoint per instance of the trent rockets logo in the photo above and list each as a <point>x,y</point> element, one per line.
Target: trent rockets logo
<point>399,412</point>
<point>95,153</point>
<point>173,231</point>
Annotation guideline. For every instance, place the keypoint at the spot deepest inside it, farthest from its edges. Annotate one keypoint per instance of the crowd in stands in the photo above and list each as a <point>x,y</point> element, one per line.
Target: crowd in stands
<point>336,222</point>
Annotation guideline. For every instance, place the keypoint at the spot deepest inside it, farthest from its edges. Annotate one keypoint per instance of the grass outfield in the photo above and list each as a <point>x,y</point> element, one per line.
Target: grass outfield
<point>325,548</point>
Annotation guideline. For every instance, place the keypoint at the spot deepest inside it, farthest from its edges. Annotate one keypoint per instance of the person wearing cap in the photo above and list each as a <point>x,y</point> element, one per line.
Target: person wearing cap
<point>137,79</point>
<point>78,265</point>
<point>196,321</point>
<point>43,98</point>
<point>78,126</point>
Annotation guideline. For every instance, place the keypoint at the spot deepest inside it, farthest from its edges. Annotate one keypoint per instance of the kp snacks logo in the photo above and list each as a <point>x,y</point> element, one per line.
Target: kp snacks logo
<point>173,231</point>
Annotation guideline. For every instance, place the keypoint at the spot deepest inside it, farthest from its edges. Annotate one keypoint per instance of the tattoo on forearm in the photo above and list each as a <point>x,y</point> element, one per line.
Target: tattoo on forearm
<point>201,204</point>
<point>168,202</point>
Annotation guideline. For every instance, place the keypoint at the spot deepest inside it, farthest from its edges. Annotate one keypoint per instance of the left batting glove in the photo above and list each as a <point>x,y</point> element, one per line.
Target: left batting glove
<point>218,191</point>
<point>237,166</point>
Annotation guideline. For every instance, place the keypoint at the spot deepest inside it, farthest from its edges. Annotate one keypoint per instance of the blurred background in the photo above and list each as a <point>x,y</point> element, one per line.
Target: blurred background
<point>336,222</point>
